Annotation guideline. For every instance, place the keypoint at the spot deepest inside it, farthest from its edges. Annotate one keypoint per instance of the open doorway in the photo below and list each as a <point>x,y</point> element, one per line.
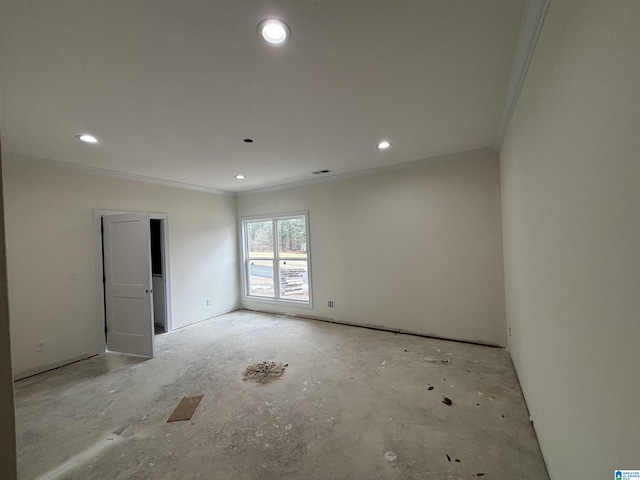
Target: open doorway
<point>126,325</point>
<point>158,276</point>
<point>161,280</point>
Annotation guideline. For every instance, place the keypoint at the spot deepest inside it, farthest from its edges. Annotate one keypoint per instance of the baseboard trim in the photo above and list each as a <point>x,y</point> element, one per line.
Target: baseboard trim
<point>379,328</point>
<point>30,372</point>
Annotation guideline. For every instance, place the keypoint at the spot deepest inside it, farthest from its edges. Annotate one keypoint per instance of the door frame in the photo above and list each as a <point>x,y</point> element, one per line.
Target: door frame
<point>97,221</point>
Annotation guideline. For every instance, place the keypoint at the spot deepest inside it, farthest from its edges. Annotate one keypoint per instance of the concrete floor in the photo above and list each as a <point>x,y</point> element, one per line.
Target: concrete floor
<point>353,404</point>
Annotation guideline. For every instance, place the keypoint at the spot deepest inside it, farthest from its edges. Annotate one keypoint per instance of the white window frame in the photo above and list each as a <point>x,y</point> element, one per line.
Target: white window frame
<point>276,300</point>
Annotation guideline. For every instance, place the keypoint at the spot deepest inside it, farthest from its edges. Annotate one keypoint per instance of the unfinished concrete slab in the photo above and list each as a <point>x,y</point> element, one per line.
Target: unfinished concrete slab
<point>353,403</point>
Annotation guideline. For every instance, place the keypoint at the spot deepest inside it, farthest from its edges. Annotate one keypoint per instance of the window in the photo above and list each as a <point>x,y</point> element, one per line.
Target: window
<point>276,258</point>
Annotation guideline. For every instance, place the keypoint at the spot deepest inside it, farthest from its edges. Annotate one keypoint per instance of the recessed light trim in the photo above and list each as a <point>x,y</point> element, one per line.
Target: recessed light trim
<point>274,32</point>
<point>384,145</point>
<point>87,138</point>
<point>240,177</point>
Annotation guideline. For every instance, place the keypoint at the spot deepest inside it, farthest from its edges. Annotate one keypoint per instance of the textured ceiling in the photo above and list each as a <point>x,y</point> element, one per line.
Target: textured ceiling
<point>172,88</point>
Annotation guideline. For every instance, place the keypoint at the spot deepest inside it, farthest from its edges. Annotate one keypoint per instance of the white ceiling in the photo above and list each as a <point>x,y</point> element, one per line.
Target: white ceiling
<point>171,88</point>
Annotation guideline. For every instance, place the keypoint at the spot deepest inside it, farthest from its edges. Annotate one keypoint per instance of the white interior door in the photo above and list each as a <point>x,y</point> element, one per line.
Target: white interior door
<point>128,290</point>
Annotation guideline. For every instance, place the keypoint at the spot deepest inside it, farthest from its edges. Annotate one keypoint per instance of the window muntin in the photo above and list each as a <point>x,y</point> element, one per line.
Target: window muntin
<point>281,273</point>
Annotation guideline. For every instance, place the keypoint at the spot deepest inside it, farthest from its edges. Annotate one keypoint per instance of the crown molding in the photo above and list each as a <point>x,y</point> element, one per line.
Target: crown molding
<point>74,167</point>
<point>44,162</point>
<point>480,152</point>
<point>532,22</point>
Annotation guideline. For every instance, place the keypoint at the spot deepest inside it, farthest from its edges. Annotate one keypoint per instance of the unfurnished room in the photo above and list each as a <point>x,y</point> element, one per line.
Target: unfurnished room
<point>319,239</point>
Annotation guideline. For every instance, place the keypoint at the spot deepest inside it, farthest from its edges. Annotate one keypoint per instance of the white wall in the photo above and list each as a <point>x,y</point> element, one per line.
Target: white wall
<point>571,204</point>
<point>418,249</point>
<point>50,232</point>
<point>7,417</point>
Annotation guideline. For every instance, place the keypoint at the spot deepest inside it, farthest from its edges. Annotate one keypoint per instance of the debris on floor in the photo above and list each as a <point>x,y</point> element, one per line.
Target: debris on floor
<point>457,460</point>
<point>479,474</point>
<point>120,430</point>
<point>447,401</point>
<point>430,388</point>
<point>185,409</point>
<point>264,372</point>
<point>435,360</point>
<point>448,457</point>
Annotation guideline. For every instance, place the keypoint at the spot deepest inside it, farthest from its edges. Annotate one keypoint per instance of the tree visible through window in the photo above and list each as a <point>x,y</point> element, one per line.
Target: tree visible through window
<point>276,258</point>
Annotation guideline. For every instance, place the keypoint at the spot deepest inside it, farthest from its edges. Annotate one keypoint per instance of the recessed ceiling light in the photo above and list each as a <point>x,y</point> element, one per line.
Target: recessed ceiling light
<point>384,145</point>
<point>87,138</point>
<point>240,177</point>
<point>274,32</point>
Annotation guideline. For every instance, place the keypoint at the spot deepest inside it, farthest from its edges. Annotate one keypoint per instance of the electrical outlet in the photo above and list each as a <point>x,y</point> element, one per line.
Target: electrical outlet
<point>40,346</point>
<point>330,303</point>
<point>208,302</point>
<point>509,332</point>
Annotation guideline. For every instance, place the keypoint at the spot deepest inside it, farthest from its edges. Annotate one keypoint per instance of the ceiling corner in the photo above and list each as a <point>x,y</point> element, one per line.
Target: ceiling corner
<point>532,22</point>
